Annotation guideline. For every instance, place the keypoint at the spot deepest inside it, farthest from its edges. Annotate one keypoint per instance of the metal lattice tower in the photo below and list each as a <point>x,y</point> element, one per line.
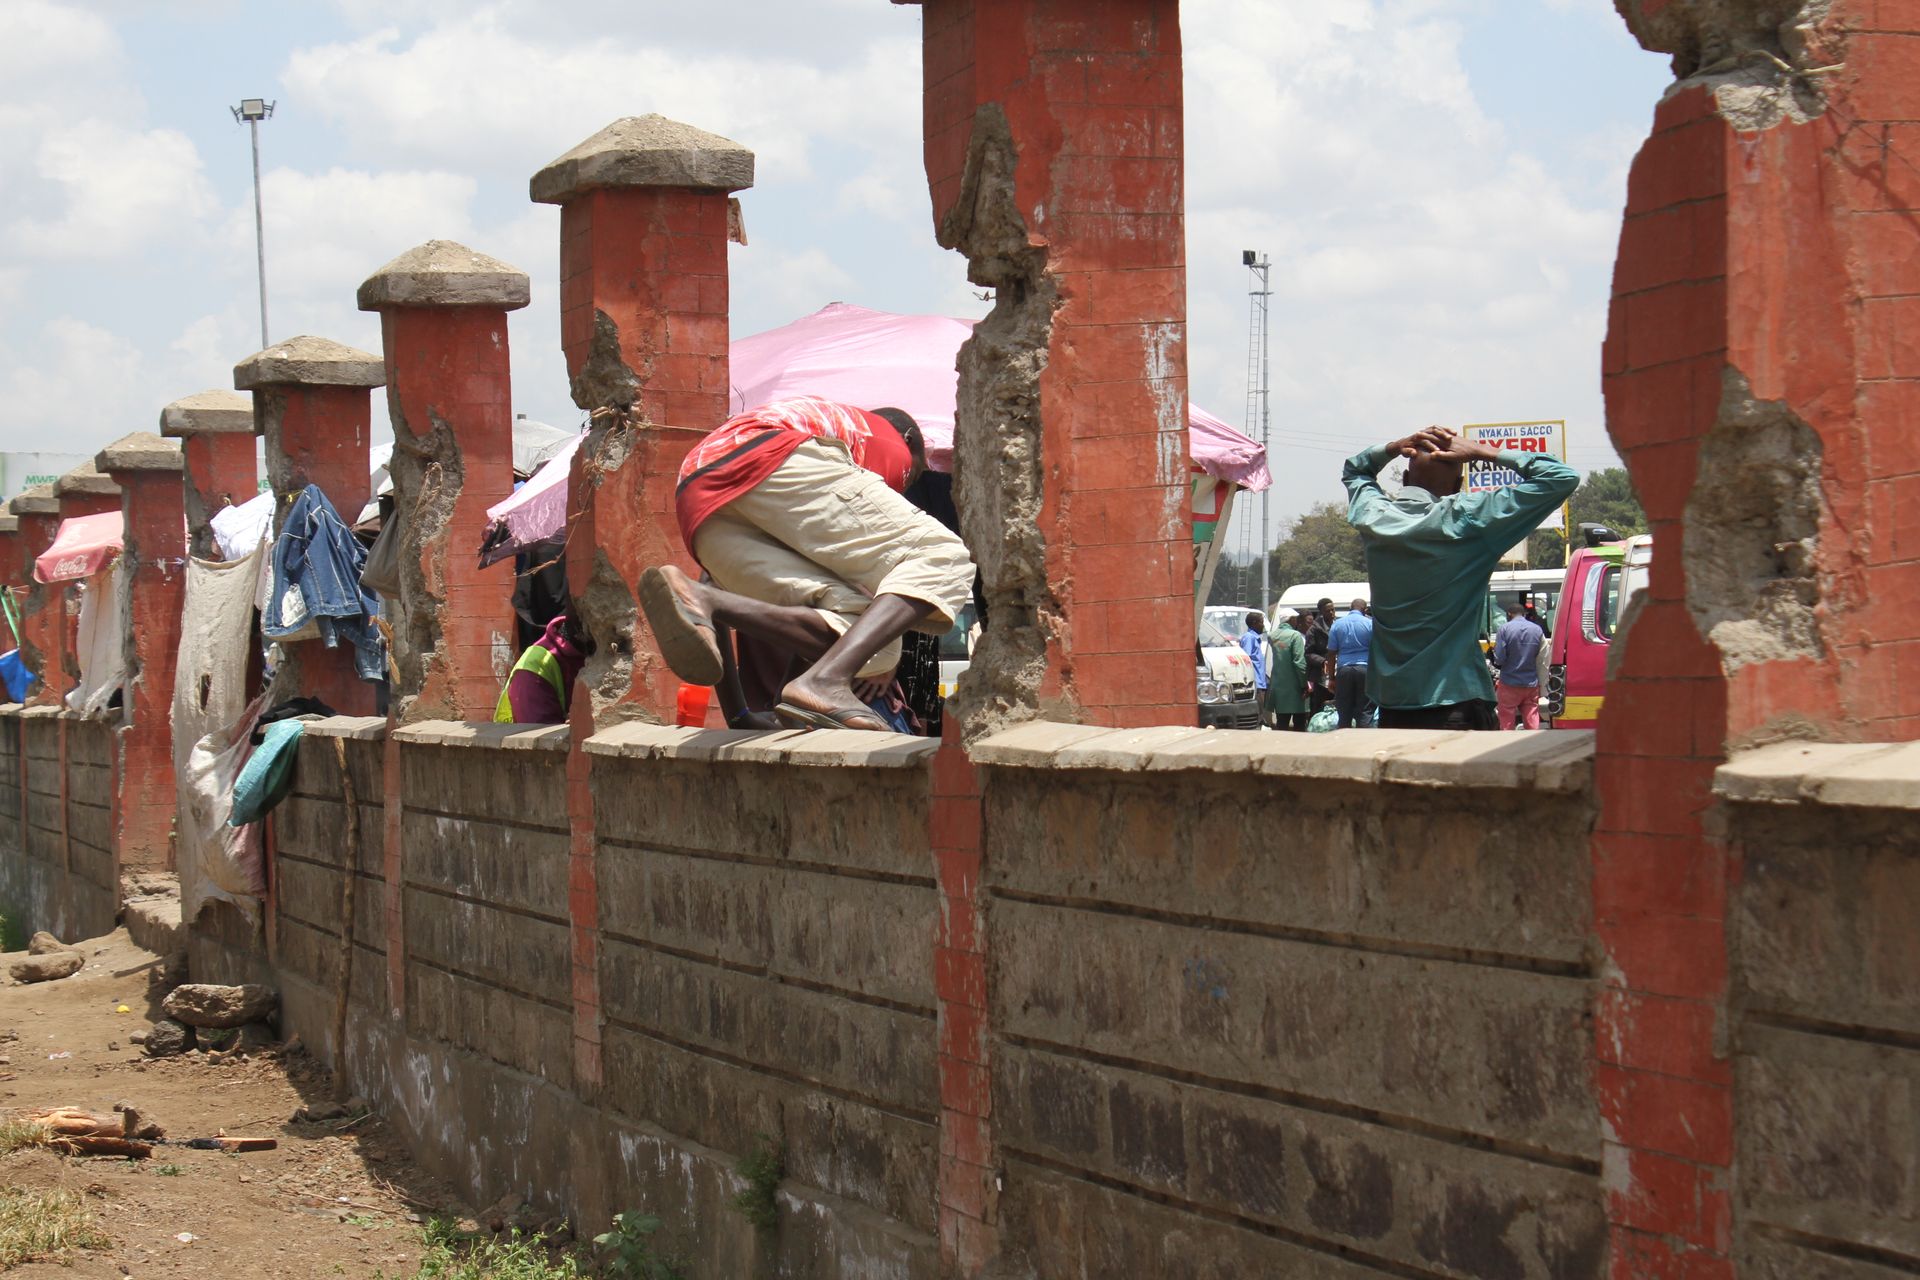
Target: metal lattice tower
<point>1259,386</point>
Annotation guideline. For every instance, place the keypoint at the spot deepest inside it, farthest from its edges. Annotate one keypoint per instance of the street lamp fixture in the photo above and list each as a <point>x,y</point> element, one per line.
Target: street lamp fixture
<point>251,112</point>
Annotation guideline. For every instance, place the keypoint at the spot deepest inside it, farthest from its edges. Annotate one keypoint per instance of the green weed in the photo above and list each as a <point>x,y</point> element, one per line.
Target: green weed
<point>628,1251</point>
<point>763,1167</point>
<point>454,1255</point>
<point>44,1225</point>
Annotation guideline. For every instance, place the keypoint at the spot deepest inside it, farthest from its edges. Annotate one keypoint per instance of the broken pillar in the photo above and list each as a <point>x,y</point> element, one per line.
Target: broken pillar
<point>1054,153</point>
<point>312,401</point>
<point>148,470</point>
<point>83,491</point>
<point>443,321</point>
<point>643,318</point>
<point>217,441</point>
<point>42,607</point>
<point>1762,377</point>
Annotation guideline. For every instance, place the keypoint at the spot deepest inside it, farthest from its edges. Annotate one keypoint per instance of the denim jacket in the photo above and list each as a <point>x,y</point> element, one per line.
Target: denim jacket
<point>317,556</point>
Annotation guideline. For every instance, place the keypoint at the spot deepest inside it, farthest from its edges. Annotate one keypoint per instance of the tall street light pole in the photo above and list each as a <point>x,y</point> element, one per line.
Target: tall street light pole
<point>1259,391</point>
<point>253,111</point>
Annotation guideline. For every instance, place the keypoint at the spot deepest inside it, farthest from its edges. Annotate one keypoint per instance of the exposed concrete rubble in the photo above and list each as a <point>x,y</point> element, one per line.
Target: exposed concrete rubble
<point>427,480</point>
<point>605,380</point>
<point>1760,58</point>
<point>1753,522</point>
<point>998,464</point>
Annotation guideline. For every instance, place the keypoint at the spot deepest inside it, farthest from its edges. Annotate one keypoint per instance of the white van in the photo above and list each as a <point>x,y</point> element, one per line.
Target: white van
<point>1306,597</point>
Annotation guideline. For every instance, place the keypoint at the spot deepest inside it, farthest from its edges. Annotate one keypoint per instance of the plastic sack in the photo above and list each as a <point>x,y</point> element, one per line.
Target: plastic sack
<point>1324,720</point>
<point>14,673</point>
<point>381,573</point>
<point>268,775</point>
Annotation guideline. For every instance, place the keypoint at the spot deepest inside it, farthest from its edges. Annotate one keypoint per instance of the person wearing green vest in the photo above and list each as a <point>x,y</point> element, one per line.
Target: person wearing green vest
<point>540,686</point>
<point>1430,552</point>
<point>1287,675</point>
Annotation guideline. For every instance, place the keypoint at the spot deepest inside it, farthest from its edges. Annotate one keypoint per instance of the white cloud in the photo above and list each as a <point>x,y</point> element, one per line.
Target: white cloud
<point>119,189</point>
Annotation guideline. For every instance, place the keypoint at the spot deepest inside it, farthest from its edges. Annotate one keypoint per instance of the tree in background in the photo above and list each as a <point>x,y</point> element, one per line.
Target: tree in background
<point>1322,547</point>
<point>1604,497</point>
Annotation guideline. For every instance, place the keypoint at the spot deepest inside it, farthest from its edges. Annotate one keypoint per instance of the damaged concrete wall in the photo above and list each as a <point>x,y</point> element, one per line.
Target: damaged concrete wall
<point>1822,1017</point>
<point>999,469</point>
<point>644,228</point>
<point>1054,155</point>
<point>1258,1025</point>
<point>56,866</point>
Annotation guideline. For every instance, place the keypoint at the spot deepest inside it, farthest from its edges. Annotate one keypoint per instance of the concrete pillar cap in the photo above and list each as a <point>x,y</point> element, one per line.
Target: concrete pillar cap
<point>208,413</point>
<point>441,273</point>
<point>37,501</point>
<point>309,362</point>
<point>86,478</point>
<point>645,151</point>
<point>141,451</point>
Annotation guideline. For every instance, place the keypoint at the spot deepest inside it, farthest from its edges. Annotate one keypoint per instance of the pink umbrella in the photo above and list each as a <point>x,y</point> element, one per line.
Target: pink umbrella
<point>875,358</point>
<point>83,546</point>
<point>536,512</point>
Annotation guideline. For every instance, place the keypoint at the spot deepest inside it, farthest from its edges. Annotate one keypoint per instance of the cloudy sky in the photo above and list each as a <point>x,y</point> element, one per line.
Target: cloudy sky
<point>1438,182</point>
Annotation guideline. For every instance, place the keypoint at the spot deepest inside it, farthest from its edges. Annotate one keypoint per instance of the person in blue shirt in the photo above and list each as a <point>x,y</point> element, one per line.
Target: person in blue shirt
<point>1516,656</point>
<point>1348,643</point>
<point>1253,642</point>
<point>1430,551</point>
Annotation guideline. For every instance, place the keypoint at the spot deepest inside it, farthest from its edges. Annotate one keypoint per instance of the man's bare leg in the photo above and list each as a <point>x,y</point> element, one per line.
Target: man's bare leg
<point>826,687</point>
<point>685,615</point>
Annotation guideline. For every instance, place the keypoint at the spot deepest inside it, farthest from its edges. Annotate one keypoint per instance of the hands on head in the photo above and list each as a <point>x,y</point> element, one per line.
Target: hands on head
<point>1440,444</point>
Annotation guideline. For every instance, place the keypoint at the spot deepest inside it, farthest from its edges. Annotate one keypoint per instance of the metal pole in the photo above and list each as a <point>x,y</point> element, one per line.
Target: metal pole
<point>1266,495</point>
<point>259,233</point>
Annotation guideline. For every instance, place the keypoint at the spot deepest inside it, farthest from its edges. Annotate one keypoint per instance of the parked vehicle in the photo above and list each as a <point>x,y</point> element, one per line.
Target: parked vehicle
<point>1230,618</point>
<point>1223,674</point>
<point>1224,681</point>
<point>1303,597</point>
<point>1539,587</point>
<point>1599,583</point>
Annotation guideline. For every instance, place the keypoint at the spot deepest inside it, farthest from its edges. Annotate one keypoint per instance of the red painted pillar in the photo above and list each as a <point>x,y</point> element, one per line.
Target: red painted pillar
<point>148,470</point>
<point>1054,152</point>
<point>1760,367</point>
<point>311,401</point>
<point>443,320</point>
<point>967,1191</point>
<point>215,430</point>
<point>82,491</point>
<point>643,318</point>
<point>42,608</point>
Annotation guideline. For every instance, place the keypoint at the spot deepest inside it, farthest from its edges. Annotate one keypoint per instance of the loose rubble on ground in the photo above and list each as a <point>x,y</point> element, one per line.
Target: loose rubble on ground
<point>188,1136</point>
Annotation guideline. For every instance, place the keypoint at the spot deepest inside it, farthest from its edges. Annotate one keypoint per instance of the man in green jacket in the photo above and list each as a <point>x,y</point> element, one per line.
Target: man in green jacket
<point>1287,675</point>
<point>1430,552</point>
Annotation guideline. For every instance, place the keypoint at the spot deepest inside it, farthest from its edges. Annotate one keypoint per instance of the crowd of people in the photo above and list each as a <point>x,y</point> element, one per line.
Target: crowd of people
<point>1409,655</point>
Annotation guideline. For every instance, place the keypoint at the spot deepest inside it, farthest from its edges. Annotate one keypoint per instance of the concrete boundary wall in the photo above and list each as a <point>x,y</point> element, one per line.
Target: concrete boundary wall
<point>60,871</point>
<point>1824,1014</point>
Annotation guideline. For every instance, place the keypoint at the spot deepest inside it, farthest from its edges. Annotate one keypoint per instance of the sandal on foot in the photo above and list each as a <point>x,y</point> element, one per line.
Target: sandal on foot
<point>798,717</point>
<point>682,627</point>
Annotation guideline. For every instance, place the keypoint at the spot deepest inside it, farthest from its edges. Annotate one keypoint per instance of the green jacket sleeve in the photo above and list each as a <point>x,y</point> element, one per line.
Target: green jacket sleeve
<point>1361,477</point>
<point>1508,515</point>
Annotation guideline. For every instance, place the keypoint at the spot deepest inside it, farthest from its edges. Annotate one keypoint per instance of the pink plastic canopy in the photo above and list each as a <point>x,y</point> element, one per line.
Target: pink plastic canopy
<point>536,512</point>
<point>875,358</point>
<point>83,546</point>
<point>868,358</point>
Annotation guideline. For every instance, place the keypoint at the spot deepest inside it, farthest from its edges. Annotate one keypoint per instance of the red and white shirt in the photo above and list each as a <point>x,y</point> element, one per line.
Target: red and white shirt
<point>746,449</point>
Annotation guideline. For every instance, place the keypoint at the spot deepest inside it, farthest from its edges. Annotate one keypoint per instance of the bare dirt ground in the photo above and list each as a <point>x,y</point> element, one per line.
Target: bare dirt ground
<point>336,1198</point>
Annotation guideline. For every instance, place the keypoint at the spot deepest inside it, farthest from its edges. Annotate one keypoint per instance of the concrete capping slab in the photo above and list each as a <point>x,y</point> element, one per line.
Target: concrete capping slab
<point>37,501</point>
<point>9,524</point>
<point>645,151</point>
<point>43,711</point>
<point>12,708</point>
<point>86,478</point>
<point>444,273</point>
<point>212,412</point>
<point>358,728</point>
<point>1864,775</point>
<point>1560,761</point>
<point>484,733</point>
<point>140,451</point>
<point>308,361</point>
<point>854,748</point>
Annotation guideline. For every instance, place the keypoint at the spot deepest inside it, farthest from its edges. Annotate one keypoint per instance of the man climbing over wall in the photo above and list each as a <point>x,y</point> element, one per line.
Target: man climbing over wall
<point>794,510</point>
<point>1430,552</point>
